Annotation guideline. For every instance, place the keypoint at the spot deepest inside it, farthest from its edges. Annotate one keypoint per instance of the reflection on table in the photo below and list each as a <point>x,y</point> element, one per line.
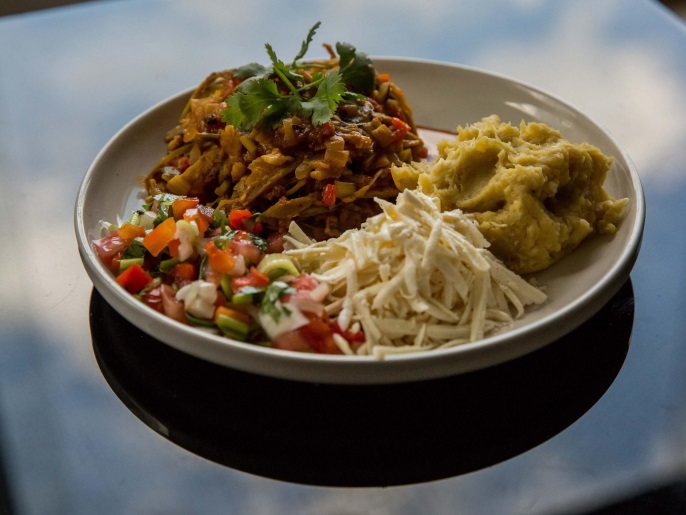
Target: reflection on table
<point>362,435</point>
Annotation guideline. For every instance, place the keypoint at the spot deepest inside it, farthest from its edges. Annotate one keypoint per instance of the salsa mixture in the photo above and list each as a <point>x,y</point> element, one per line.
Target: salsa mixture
<point>198,266</point>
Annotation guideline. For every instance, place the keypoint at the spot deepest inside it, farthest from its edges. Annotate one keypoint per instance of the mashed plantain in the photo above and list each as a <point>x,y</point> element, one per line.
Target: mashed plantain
<point>535,195</point>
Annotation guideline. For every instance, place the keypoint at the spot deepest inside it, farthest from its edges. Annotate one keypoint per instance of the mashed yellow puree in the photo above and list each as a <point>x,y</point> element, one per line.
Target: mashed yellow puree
<point>534,195</point>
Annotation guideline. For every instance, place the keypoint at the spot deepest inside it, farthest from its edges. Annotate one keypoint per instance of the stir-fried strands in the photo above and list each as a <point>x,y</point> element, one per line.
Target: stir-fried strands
<point>415,278</point>
<point>313,140</point>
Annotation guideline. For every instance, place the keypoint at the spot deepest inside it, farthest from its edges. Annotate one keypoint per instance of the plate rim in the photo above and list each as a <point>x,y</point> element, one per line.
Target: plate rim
<point>502,346</point>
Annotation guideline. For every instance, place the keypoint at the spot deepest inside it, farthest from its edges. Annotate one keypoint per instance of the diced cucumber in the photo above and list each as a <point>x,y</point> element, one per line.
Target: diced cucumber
<point>276,265</point>
<point>233,328</point>
<point>168,264</point>
<point>126,263</point>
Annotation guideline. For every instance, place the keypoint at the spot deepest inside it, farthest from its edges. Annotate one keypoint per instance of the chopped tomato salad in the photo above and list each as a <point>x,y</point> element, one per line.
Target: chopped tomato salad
<point>201,267</point>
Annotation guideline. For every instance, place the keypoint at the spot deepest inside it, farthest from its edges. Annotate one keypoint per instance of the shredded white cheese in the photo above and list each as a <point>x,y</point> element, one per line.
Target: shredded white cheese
<point>414,278</point>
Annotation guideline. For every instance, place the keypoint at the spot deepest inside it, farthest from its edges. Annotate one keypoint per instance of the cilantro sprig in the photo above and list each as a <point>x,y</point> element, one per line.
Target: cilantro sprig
<point>259,101</point>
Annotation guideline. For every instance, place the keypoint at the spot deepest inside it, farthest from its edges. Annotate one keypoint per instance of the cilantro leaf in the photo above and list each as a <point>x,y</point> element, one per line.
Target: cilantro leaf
<point>135,249</point>
<point>260,99</point>
<point>164,202</point>
<point>250,70</point>
<point>306,44</point>
<point>257,100</point>
<point>270,304</point>
<point>288,77</point>
<point>219,220</point>
<point>357,69</point>
<point>329,93</point>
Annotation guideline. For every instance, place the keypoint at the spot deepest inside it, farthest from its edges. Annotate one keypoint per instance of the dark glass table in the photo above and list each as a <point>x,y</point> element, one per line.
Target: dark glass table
<point>97,417</point>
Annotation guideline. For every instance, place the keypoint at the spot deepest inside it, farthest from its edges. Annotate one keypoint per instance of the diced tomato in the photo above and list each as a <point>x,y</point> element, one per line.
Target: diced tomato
<point>400,128</point>
<point>129,231</point>
<point>157,239</point>
<point>241,245</point>
<point>240,219</point>
<point>200,218</point>
<point>221,260</point>
<point>154,298</point>
<point>110,247</point>
<point>304,282</point>
<point>253,278</point>
<point>237,217</point>
<point>171,307</point>
<point>329,195</point>
<point>292,340</point>
<point>185,271</point>
<point>316,336</point>
<point>134,278</point>
<point>181,163</point>
<point>319,336</point>
<point>384,77</point>
<point>181,205</point>
<point>256,227</point>
<point>220,299</point>
<point>422,152</point>
<point>275,243</point>
<point>348,335</point>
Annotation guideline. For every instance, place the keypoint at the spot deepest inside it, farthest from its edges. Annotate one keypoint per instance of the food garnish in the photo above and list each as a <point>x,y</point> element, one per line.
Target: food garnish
<point>258,99</point>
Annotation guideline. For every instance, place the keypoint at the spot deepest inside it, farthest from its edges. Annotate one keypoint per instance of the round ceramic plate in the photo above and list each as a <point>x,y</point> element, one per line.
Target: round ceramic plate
<point>443,96</point>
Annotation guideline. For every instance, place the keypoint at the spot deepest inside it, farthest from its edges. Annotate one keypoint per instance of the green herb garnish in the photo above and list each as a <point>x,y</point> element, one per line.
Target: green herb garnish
<point>165,201</point>
<point>269,94</point>
<point>135,249</point>
<point>270,304</point>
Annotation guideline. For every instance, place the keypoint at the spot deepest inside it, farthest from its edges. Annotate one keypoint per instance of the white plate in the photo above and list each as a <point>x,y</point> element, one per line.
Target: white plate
<point>443,96</point>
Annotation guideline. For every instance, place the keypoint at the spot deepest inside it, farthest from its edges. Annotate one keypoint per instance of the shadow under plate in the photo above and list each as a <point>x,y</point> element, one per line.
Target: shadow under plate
<point>362,435</point>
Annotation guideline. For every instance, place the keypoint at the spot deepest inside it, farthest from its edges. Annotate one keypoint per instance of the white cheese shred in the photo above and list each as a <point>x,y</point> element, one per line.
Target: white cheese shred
<point>414,278</point>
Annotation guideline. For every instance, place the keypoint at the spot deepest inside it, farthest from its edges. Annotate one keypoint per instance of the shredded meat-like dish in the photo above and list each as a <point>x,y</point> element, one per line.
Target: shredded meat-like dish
<point>325,176</point>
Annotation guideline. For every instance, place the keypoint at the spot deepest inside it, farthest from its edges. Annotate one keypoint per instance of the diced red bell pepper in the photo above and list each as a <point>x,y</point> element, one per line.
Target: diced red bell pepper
<point>253,278</point>
<point>329,195</point>
<point>134,278</point>
<point>400,128</point>
<point>240,219</point>
<point>237,217</point>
